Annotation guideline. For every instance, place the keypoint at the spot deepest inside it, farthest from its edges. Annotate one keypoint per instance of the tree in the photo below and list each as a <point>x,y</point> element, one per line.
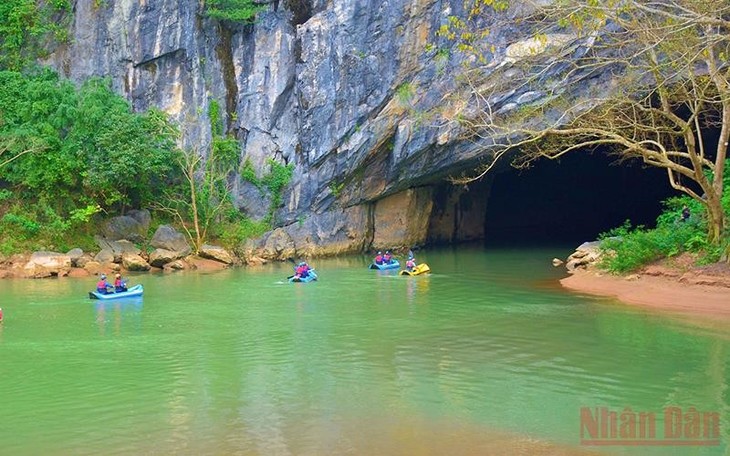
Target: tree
<point>205,193</point>
<point>666,83</point>
<point>25,29</point>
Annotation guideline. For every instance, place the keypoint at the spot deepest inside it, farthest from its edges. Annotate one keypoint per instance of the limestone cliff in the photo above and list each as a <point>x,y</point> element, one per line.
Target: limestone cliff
<point>345,90</point>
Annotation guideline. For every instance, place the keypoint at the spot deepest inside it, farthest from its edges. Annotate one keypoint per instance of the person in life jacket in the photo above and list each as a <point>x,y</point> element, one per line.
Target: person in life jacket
<point>411,263</point>
<point>387,258</point>
<point>102,285</point>
<point>302,270</point>
<point>379,258</point>
<point>119,284</point>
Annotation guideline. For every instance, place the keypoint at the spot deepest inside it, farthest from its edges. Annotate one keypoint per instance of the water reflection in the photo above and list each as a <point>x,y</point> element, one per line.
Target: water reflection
<point>114,316</point>
<point>416,286</point>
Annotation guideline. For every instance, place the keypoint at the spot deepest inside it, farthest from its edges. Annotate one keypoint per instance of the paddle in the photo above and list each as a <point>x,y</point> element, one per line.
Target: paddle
<point>294,263</point>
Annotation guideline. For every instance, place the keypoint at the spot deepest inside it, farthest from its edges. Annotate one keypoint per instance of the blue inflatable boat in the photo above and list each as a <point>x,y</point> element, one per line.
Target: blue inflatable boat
<point>312,276</point>
<point>394,264</point>
<point>136,290</point>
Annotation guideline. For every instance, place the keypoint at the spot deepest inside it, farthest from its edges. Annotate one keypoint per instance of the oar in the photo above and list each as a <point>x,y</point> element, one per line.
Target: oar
<point>290,259</point>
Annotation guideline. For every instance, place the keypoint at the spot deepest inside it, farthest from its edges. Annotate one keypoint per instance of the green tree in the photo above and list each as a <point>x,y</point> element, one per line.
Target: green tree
<point>24,27</point>
<point>69,153</point>
<point>81,145</point>
<point>670,83</point>
<point>203,196</point>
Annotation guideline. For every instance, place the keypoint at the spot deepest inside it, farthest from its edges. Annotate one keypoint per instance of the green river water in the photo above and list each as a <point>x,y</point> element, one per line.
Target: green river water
<point>487,355</point>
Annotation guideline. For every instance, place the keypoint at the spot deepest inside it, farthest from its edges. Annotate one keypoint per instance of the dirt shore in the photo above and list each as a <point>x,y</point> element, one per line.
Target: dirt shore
<point>697,291</point>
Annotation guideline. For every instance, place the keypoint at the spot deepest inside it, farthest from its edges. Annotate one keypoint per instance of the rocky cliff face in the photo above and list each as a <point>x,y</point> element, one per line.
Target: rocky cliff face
<point>345,90</point>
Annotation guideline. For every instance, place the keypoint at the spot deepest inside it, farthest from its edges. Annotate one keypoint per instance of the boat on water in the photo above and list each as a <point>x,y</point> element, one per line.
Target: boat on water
<point>312,276</point>
<point>418,270</point>
<point>394,264</point>
<point>136,290</point>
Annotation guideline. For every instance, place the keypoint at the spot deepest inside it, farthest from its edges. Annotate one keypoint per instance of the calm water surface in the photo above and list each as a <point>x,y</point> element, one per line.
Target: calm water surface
<point>485,356</point>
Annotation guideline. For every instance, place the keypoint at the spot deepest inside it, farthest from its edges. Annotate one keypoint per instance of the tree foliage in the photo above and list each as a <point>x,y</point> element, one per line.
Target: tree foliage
<point>68,153</point>
<point>25,26</point>
<point>84,145</point>
<point>666,84</point>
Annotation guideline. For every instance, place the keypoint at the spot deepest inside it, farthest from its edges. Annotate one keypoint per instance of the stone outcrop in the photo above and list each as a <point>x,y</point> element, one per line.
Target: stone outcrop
<point>167,238</point>
<point>121,248</point>
<point>585,256</point>
<point>133,226</point>
<point>160,257</point>
<point>76,256</point>
<point>216,253</point>
<point>47,264</point>
<point>105,256</point>
<point>134,262</point>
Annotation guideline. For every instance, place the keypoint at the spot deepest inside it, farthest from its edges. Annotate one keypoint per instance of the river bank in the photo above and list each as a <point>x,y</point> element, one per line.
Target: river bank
<point>702,291</point>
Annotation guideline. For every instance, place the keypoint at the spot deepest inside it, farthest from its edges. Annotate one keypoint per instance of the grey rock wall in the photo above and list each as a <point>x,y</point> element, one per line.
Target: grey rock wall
<point>342,89</point>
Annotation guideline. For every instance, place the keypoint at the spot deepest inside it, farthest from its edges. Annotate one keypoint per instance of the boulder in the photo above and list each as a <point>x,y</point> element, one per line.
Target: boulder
<point>78,272</point>
<point>104,256</point>
<point>124,227</point>
<point>255,261</point>
<point>47,264</point>
<point>279,245</point>
<point>134,262</point>
<point>121,247</point>
<point>75,255</point>
<point>584,256</point>
<point>176,265</point>
<point>143,217</point>
<point>160,257</point>
<point>166,237</point>
<point>214,252</point>
<point>93,267</point>
<point>82,260</point>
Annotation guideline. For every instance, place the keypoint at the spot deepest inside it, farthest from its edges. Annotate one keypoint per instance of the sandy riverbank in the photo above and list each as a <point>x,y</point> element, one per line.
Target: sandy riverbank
<point>704,292</point>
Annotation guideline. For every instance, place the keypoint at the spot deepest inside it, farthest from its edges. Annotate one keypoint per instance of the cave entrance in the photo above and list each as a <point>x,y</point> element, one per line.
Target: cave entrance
<point>563,202</point>
<point>571,200</point>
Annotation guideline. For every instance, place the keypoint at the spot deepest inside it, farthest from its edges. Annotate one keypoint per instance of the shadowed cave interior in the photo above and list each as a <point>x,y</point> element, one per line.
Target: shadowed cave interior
<point>572,200</point>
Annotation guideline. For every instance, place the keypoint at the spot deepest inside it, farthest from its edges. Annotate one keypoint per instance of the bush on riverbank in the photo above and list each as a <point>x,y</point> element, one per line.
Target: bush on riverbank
<point>628,248</point>
<point>68,153</point>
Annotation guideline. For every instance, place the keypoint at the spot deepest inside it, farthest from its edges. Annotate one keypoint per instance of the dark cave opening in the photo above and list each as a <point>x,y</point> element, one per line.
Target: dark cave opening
<point>572,200</point>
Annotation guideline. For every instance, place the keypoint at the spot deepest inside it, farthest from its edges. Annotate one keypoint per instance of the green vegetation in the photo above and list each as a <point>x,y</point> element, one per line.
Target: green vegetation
<point>25,25</point>
<point>277,179</point>
<point>67,154</point>
<point>405,93</point>
<point>274,181</point>
<point>627,249</point>
<point>336,188</point>
<point>201,202</point>
<point>233,10</point>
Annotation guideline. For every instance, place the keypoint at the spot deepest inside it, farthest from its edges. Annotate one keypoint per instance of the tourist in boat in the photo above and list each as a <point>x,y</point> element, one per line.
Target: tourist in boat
<point>302,270</point>
<point>119,284</point>
<point>387,258</point>
<point>102,286</point>
<point>410,264</point>
<point>379,258</point>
